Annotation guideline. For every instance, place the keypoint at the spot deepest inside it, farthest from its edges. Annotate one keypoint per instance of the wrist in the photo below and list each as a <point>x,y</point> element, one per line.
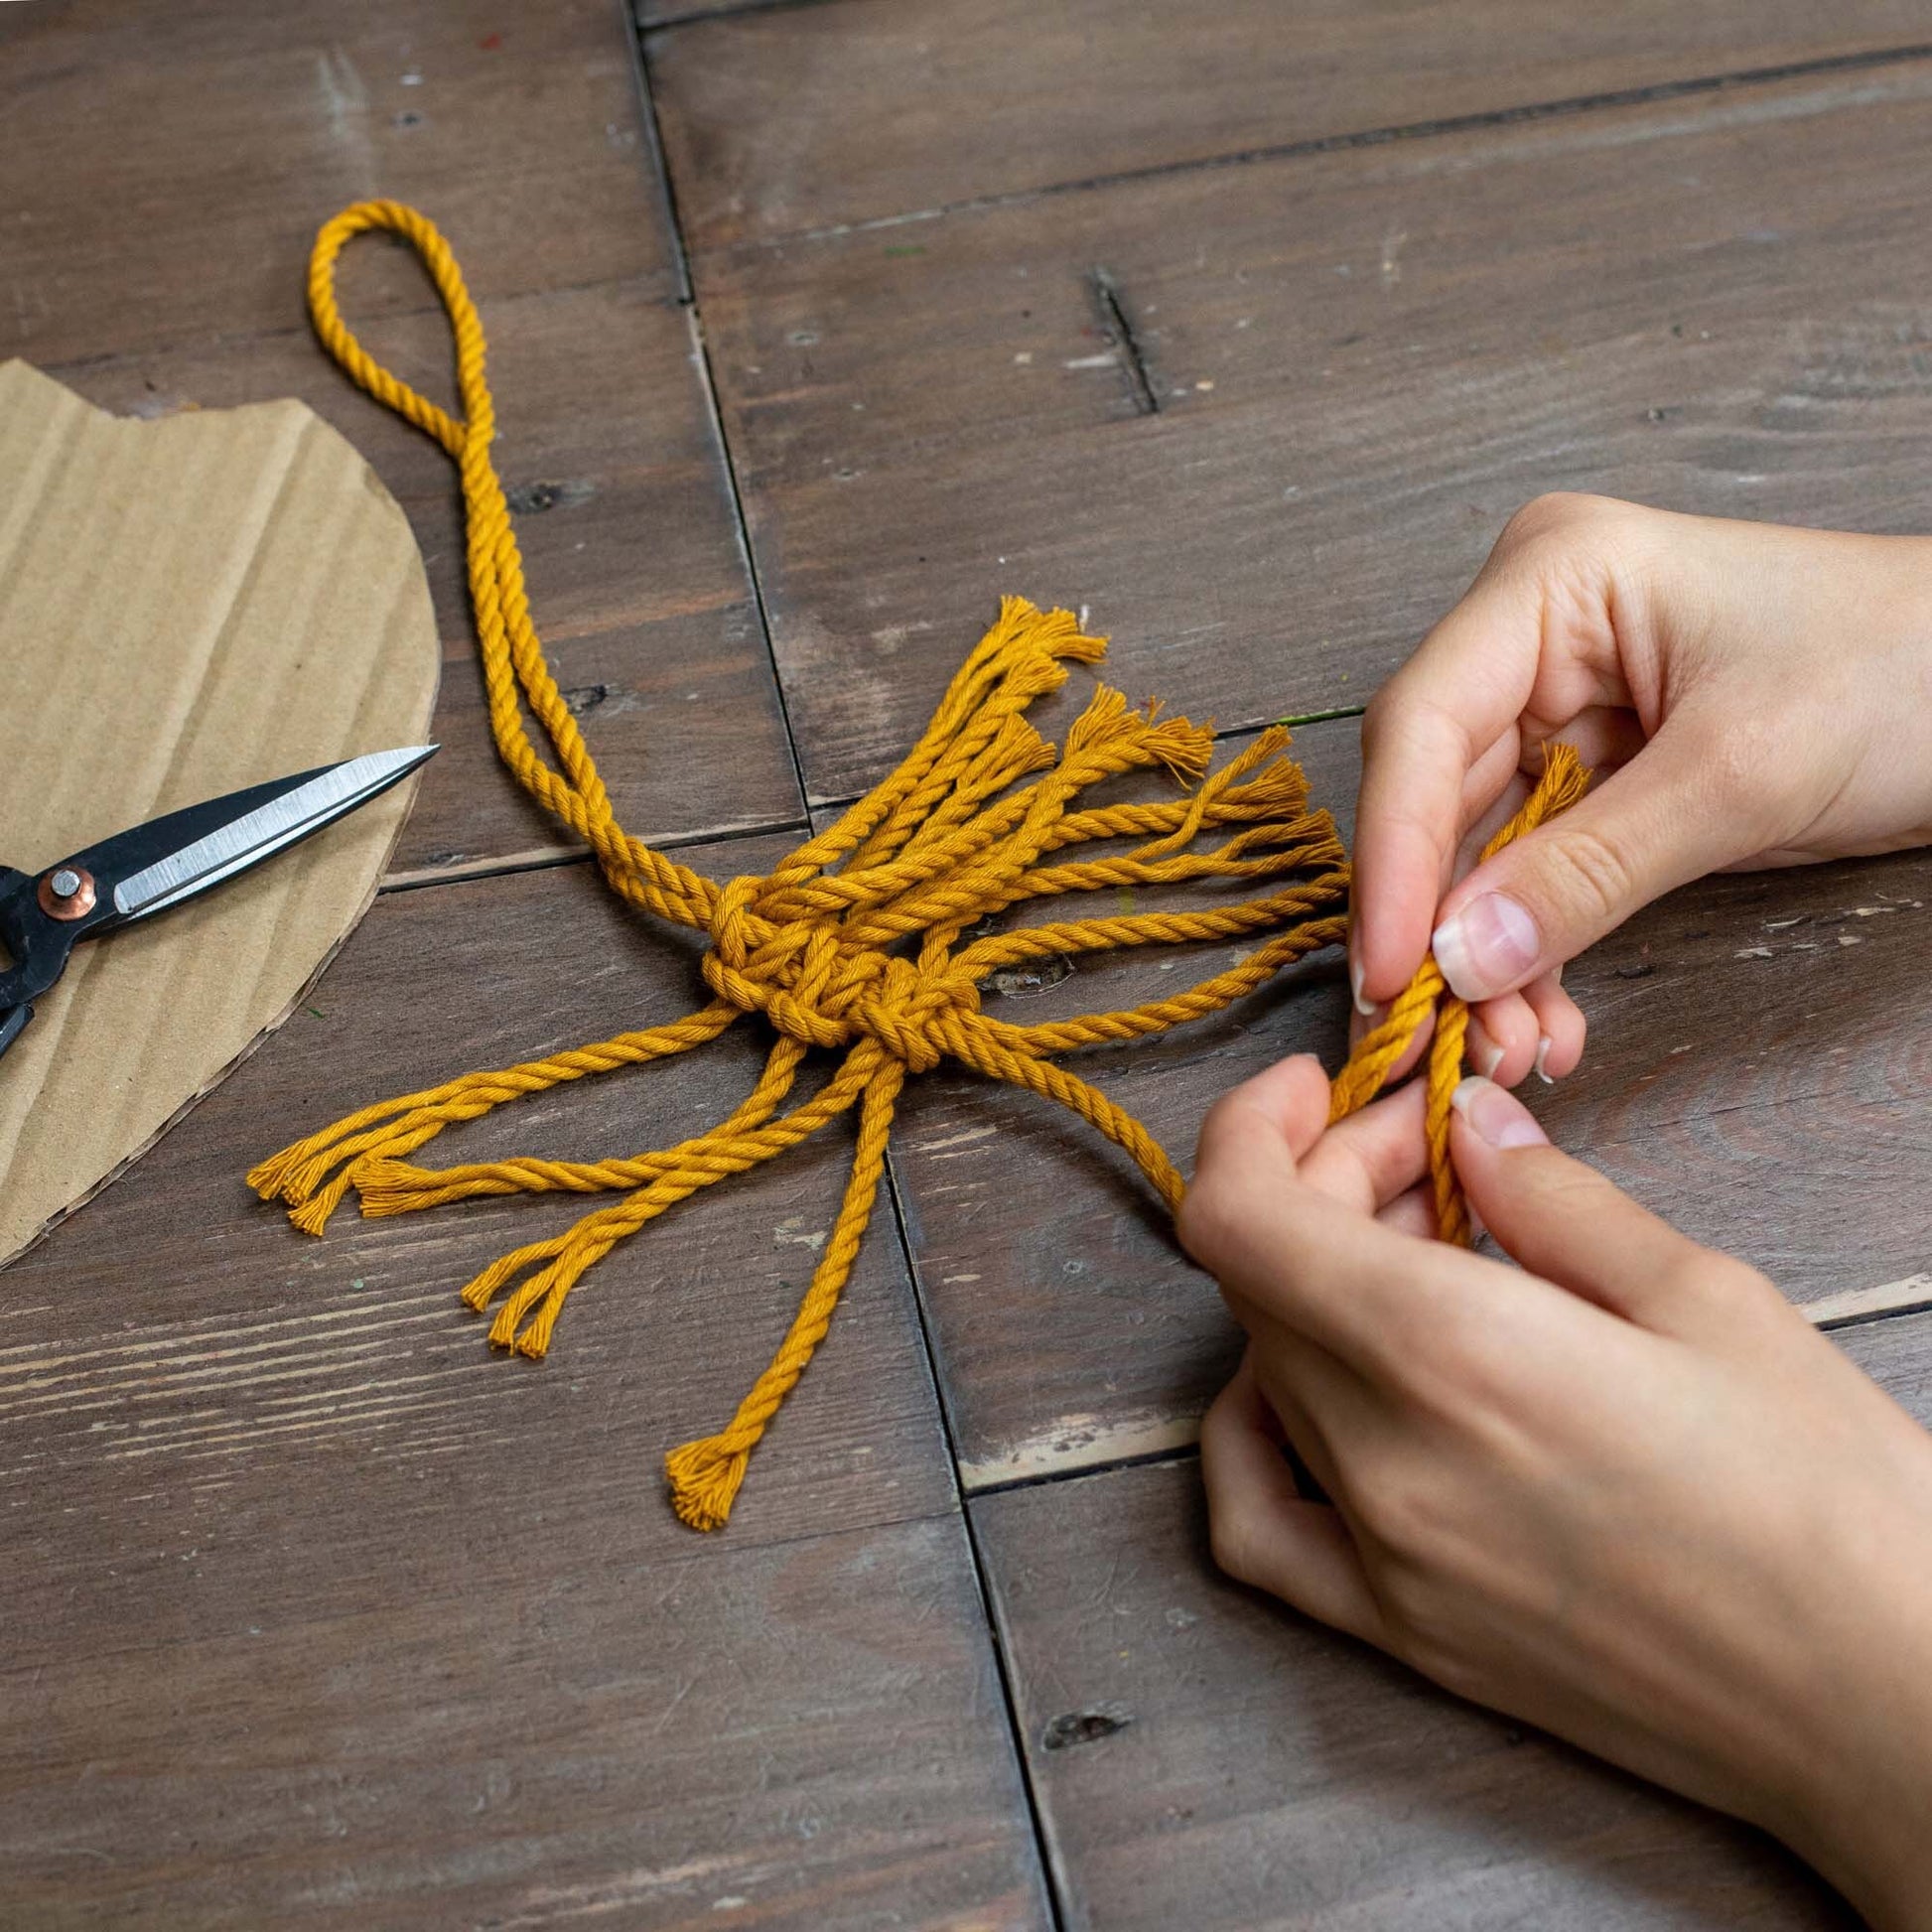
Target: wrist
<point>1881,1861</point>
<point>1860,1805</point>
<point>1868,1833</point>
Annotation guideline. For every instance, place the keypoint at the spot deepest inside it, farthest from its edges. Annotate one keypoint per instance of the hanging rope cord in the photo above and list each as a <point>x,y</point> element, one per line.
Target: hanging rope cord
<point>854,943</point>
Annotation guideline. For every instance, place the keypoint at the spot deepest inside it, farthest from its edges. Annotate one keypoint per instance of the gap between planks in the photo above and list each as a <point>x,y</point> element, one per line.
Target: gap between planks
<point>543,858</point>
<point>646,103</point>
<point>1005,1666</point>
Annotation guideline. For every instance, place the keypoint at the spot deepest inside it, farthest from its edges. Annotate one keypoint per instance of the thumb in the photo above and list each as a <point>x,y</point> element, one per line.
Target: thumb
<point>1669,816</point>
<point>1567,1223</point>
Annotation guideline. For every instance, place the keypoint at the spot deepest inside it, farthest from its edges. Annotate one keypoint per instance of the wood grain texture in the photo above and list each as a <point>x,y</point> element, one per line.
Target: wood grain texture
<point>800,1733</point>
<point>636,575</point>
<point>319,1613</point>
<point>1364,362</point>
<point>801,118</point>
<point>1755,1072</point>
<point>1203,1758</point>
<point>1002,99</point>
<point>657,13</point>
<point>238,131</point>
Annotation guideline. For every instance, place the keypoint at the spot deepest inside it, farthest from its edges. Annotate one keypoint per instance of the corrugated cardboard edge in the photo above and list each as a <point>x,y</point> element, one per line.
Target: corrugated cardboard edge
<point>405,794</point>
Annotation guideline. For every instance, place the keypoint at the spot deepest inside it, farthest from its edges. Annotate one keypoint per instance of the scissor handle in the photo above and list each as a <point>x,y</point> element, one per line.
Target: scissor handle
<point>37,952</point>
<point>37,945</point>
<point>13,1022</point>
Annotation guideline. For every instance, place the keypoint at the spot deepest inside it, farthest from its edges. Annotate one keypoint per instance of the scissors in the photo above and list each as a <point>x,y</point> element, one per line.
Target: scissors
<point>166,862</point>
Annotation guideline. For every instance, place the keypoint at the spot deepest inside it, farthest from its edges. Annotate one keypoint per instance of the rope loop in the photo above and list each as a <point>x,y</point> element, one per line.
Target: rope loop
<point>870,943</point>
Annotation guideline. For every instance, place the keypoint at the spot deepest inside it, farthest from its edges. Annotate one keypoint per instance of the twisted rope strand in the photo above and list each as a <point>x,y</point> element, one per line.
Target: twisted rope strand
<point>1427,997</point>
<point>853,943</point>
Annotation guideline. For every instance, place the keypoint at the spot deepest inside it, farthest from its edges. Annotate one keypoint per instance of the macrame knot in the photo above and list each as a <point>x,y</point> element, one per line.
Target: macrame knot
<point>827,984</point>
<point>731,920</point>
<point>900,1014</point>
<point>871,941</point>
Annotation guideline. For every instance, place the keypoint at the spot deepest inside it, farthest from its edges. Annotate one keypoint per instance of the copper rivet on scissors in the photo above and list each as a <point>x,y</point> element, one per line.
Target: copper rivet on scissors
<point>66,892</point>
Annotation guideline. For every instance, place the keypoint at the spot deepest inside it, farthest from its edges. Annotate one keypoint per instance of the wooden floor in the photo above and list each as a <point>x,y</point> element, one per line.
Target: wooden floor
<point>815,324</point>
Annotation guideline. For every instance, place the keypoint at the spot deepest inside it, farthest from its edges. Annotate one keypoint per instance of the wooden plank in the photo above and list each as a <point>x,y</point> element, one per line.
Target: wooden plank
<point>637,575</point>
<point>320,1615</point>
<point>1755,1081</point>
<point>991,99</point>
<point>1203,1758</point>
<point>1364,362</point>
<point>799,1734</point>
<point>1896,1352</point>
<point>238,131</point>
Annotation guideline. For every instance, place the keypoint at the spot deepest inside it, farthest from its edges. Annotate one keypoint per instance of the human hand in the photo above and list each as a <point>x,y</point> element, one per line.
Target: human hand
<point>1746,694</point>
<point>1625,1493</point>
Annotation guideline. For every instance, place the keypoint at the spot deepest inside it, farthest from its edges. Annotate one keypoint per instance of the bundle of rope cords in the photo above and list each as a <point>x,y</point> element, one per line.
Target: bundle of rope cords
<point>869,940</point>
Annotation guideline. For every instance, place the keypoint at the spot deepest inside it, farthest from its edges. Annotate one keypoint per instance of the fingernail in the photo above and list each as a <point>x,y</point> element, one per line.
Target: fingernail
<point>1364,1005</point>
<point>1537,1068</point>
<point>1485,1055</point>
<point>1486,948</point>
<point>1496,1116</point>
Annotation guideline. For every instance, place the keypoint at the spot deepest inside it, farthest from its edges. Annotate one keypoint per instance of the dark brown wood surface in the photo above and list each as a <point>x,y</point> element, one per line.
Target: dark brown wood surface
<point>1364,362</point>
<point>786,119</point>
<point>166,270</point>
<point>319,1612</point>
<point>167,166</point>
<point>1752,1073</point>
<point>653,13</point>
<point>1203,1758</point>
<point>794,1733</point>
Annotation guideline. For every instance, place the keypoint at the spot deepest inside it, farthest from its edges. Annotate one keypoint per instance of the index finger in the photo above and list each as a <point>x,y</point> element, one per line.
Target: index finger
<point>1443,725</point>
<point>1285,1252</point>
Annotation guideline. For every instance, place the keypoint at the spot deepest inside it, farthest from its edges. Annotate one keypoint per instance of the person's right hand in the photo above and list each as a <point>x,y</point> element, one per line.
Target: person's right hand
<point>1621,1489</point>
<point>1746,694</point>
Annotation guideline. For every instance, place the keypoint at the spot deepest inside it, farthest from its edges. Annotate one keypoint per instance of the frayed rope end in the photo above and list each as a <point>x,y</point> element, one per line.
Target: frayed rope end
<point>705,1476</point>
<point>311,1211</point>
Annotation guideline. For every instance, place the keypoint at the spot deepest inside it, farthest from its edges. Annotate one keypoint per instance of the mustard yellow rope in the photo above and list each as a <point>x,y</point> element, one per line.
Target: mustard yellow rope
<point>855,943</point>
<point>1427,997</point>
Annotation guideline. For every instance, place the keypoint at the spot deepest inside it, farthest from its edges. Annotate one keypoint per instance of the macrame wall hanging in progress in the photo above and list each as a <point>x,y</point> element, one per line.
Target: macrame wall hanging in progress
<point>862,942</point>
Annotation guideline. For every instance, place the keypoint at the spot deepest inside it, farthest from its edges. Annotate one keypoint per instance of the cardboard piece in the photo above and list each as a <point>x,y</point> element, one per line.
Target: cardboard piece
<point>187,607</point>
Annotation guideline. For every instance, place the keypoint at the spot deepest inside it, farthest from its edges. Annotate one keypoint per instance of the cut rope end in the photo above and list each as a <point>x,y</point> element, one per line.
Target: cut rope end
<point>1054,633</point>
<point>311,1215</point>
<point>524,1324</point>
<point>705,1476</point>
<point>268,1178</point>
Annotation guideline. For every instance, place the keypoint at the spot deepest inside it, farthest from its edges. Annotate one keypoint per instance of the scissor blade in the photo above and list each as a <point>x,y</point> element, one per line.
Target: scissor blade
<point>228,835</point>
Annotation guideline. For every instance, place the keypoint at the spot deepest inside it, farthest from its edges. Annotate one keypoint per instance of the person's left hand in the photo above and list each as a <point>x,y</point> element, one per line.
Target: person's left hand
<point>1625,1492</point>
